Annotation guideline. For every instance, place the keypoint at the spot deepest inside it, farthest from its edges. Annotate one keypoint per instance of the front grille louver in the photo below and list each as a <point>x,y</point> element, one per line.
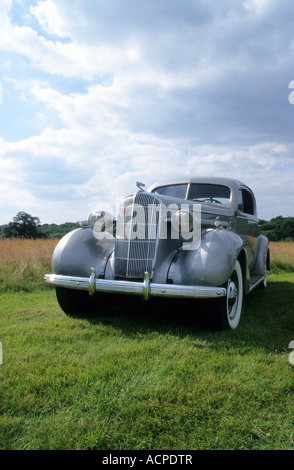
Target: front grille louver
<point>137,233</point>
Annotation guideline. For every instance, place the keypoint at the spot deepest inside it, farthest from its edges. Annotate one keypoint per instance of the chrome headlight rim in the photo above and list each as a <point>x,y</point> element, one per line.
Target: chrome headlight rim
<point>183,221</point>
<point>94,220</point>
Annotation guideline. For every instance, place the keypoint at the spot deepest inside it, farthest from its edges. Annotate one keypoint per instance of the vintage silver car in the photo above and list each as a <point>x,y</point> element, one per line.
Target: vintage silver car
<point>188,238</point>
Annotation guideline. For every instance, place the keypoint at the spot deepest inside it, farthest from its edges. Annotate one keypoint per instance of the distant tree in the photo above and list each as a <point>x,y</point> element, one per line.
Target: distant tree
<point>279,228</point>
<point>23,225</point>
<point>58,231</point>
<point>288,227</point>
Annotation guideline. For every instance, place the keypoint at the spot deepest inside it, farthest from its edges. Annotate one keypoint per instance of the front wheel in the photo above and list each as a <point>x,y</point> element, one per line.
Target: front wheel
<point>75,302</point>
<point>226,312</point>
<point>80,303</point>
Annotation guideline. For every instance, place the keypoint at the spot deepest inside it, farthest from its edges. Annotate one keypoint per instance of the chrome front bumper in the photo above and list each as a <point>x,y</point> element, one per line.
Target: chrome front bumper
<point>146,288</point>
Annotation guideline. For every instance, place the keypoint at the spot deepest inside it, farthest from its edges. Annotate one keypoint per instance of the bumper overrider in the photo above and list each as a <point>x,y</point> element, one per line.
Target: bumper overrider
<point>146,288</point>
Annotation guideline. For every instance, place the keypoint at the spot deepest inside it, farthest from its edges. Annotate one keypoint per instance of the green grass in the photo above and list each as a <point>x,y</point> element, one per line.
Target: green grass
<point>23,276</point>
<point>150,381</point>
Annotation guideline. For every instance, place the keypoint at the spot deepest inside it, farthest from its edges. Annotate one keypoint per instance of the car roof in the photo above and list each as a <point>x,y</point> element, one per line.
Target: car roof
<point>230,182</point>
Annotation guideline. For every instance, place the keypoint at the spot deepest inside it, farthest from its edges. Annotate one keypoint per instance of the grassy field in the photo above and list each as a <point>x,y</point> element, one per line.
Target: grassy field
<point>129,380</point>
<point>23,263</point>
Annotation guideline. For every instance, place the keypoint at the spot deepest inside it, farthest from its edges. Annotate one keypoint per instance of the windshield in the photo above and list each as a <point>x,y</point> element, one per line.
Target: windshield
<point>211,193</point>
<point>175,190</point>
<point>214,193</point>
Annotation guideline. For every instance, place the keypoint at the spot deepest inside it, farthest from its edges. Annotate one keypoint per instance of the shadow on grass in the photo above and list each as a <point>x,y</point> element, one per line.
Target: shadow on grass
<point>268,316</point>
<point>267,319</point>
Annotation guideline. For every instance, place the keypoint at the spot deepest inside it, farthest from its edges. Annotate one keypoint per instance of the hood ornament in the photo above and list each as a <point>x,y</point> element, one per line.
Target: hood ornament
<point>141,186</point>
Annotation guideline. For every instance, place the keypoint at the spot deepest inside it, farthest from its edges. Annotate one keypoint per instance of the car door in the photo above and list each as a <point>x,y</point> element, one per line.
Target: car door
<point>247,222</point>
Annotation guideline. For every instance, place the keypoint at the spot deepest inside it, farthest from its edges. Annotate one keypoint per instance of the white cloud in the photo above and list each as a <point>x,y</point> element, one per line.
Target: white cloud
<point>125,91</point>
<point>50,18</point>
<point>259,6</point>
<point>67,59</point>
<point>94,157</point>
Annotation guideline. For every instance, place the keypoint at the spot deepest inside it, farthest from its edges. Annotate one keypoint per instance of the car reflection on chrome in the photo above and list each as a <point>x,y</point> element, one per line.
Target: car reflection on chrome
<point>195,238</point>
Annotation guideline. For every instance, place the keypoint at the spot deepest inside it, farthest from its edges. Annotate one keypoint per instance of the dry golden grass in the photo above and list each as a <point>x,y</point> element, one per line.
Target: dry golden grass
<point>14,250</point>
<point>282,251</point>
<point>23,263</point>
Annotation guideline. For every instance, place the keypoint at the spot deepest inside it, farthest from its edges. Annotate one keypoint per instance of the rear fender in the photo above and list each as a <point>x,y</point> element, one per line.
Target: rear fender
<point>262,258</point>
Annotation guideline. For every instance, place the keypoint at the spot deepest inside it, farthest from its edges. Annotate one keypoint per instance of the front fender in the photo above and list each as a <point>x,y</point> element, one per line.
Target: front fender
<point>79,251</point>
<point>212,263</point>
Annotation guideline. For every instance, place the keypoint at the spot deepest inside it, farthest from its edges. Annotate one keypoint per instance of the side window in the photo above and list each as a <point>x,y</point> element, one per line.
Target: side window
<point>247,202</point>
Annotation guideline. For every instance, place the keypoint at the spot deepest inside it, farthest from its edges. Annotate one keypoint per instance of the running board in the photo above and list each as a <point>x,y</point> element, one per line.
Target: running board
<point>255,280</point>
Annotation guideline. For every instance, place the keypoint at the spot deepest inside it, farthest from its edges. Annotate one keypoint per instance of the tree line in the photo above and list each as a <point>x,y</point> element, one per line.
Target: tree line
<point>24,225</point>
<point>278,229</point>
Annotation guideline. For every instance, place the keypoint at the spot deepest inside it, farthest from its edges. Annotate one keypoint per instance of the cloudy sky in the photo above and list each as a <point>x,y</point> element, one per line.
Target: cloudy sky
<point>98,94</point>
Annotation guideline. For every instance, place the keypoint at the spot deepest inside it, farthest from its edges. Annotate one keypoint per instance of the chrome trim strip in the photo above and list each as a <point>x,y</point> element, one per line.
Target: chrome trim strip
<point>130,238</point>
<point>145,288</point>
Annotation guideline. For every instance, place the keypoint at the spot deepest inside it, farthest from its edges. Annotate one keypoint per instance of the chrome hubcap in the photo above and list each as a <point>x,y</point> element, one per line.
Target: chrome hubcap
<point>232,290</point>
<point>232,299</point>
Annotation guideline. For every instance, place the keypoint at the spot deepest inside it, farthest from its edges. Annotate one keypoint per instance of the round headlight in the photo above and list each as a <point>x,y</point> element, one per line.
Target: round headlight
<point>183,221</point>
<point>101,221</point>
<point>97,219</point>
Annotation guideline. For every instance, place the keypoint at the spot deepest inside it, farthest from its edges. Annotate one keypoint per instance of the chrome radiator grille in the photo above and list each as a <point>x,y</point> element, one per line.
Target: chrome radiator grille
<point>137,232</point>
